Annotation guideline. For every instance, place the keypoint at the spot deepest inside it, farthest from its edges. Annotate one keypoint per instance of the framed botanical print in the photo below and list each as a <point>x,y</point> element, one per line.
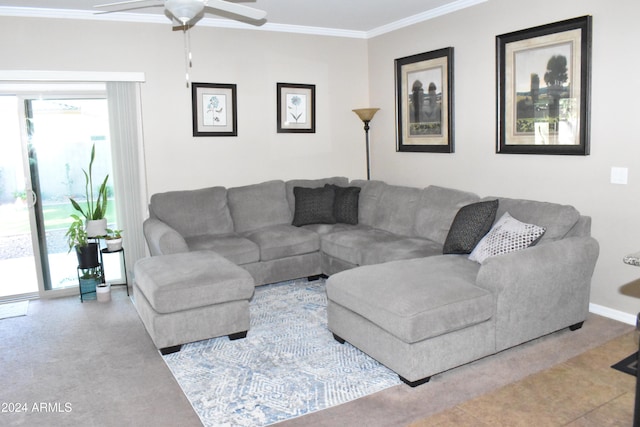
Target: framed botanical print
<point>544,89</point>
<point>424,98</point>
<point>296,106</point>
<point>214,109</point>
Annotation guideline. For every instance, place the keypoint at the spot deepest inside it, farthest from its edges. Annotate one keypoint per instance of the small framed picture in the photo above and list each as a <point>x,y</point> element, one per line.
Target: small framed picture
<point>424,97</point>
<point>296,108</point>
<point>214,109</point>
<point>544,88</point>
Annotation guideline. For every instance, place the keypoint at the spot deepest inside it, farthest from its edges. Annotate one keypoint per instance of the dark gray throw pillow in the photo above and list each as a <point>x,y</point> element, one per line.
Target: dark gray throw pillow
<point>469,226</point>
<point>313,206</point>
<point>345,205</point>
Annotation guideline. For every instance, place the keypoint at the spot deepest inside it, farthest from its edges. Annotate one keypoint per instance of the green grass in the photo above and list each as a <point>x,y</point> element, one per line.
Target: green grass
<point>15,219</point>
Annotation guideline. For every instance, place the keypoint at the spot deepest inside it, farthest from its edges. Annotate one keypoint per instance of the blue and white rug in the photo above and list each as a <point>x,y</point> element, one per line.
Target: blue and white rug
<point>289,364</point>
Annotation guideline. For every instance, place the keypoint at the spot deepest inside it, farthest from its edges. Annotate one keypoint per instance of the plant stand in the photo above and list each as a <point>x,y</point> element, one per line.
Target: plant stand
<point>88,289</point>
<point>124,265</point>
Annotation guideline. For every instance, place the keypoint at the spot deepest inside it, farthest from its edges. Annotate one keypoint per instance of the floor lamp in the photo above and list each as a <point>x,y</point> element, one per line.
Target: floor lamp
<point>366,114</point>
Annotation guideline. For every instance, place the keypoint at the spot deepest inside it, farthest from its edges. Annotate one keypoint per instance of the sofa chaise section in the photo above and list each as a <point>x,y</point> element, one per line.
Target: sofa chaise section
<point>418,317</point>
<point>532,292</point>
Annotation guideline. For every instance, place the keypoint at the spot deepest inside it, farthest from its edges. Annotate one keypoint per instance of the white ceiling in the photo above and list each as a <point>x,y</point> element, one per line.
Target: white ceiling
<point>355,18</point>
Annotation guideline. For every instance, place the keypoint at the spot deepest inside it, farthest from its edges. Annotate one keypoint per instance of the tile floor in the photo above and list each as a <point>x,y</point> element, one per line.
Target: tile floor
<point>583,391</point>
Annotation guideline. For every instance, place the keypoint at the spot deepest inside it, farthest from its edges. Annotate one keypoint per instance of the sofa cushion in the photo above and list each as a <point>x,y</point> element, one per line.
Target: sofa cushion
<point>437,208</point>
<point>329,228</point>
<point>396,210</point>
<point>402,248</point>
<point>188,280</point>
<point>555,218</point>
<point>470,225</point>
<point>281,241</point>
<point>258,206</point>
<point>233,247</point>
<point>193,212</point>
<point>507,235</point>
<point>348,245</point>
<point>313,206</point>
<point>345,204</point>
<point>368,203</point>
<point>310,183</point>
<point>415,299</point>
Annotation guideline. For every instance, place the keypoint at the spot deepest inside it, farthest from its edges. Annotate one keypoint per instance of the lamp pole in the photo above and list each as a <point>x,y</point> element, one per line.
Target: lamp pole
<point>366,115</point>
<point>366,136</point>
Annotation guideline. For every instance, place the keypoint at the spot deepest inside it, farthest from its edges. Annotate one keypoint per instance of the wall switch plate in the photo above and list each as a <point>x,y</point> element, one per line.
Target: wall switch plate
<point>619,175</point>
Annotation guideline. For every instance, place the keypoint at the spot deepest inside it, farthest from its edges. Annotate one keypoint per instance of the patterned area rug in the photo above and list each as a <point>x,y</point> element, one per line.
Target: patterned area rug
<point>14,309</point>
<point>289,364</point>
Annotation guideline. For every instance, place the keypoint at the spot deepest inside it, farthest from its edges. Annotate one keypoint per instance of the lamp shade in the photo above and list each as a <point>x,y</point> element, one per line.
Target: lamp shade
<point>366,114</point>
<point>184,10</point>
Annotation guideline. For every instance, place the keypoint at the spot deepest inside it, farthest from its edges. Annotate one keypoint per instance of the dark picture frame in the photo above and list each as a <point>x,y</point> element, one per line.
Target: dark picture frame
<point>425,80</point>
<point>214,109</point>
<point>296,108</point>
<point>544,89</point>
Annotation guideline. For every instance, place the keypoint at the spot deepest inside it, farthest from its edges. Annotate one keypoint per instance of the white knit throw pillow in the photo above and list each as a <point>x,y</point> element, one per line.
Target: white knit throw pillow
<point>506,235</point>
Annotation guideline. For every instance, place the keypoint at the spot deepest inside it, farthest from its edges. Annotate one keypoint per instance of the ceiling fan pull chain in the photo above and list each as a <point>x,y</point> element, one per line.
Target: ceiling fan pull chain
<point>187,52</point>
<point>189,43</point>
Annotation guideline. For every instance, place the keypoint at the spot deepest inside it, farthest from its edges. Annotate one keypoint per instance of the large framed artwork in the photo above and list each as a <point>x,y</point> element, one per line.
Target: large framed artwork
<point>296,108</point>
<point>424,97</point>
<point>544,89</point>
<point>214,109</point>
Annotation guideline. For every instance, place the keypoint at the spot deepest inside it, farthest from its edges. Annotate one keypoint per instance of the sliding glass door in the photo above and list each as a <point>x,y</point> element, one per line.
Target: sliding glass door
<point>54,135</point>
<point>18,264</point>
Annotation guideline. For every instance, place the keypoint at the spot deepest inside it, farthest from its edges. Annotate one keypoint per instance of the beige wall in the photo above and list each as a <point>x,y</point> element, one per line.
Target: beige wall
<point>581,181</point>
<point>254,60</point>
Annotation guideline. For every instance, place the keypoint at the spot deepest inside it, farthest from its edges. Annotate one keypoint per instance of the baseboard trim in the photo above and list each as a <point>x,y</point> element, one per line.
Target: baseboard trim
<point>620,316</point>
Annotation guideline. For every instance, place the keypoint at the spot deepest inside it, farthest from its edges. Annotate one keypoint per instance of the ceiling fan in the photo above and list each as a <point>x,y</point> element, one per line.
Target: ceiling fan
<point>187,12</point>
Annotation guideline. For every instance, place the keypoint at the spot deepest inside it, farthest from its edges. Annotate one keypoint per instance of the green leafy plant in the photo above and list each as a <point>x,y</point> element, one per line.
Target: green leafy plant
<point>96,206</point>
<point>76,234</point>
<point>113,234</point>
<point>91,273</point>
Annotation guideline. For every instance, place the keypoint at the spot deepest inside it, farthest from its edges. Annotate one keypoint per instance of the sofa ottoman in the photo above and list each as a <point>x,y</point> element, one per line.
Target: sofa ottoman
<point>417,317</point>
<point>191,296</point>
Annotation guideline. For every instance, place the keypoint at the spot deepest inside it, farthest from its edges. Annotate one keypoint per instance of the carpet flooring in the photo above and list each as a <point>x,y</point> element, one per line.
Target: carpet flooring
<point>99,359</point>
<point>289,364</point>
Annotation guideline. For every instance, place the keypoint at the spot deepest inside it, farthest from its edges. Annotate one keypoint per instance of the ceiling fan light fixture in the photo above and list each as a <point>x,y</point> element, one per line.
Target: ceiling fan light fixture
<point>184,10</point>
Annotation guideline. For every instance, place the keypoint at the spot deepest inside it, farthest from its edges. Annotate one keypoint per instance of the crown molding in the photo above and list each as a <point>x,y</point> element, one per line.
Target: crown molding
<point>425,16</point>
<point>27,12</point>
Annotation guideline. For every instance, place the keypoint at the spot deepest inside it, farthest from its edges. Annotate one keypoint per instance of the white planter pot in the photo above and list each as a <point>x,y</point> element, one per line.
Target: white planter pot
<point>96,227</point>
<point>103,292</point>
<point>114,245</point>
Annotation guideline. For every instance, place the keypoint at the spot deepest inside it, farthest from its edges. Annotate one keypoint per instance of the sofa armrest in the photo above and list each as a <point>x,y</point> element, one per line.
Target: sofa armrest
<point>541,289</point>
<point>162,239</point>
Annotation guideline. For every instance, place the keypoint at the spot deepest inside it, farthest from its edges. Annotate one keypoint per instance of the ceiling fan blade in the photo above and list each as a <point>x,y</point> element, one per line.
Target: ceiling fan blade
<point>119,3</point>
<point>236,9</point>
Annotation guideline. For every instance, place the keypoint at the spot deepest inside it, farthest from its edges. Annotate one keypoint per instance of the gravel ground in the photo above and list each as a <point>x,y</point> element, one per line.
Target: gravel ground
<point>19,246</point>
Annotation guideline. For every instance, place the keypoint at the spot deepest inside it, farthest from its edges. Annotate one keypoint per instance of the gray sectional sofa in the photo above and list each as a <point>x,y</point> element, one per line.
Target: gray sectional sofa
<point>392,292</point>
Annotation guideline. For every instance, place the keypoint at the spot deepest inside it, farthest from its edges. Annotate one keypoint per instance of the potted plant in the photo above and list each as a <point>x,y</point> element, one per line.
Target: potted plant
<point>87,252</point>
<point>114,240</point>
<point>96,204</point>
<point>90,280</point>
